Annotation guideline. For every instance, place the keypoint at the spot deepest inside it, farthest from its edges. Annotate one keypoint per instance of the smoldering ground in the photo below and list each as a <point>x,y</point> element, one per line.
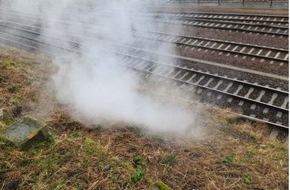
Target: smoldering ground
<point>92,83</point>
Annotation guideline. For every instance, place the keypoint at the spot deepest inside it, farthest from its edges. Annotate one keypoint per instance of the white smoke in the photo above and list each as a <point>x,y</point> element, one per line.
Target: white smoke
<point>92,82</point>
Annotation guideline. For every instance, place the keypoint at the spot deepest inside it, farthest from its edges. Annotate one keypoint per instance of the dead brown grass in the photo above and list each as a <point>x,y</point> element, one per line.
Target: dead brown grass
<point>233,155</point>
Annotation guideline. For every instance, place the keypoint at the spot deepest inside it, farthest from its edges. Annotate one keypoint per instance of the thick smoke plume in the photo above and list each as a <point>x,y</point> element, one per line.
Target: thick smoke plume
<point>92,82</point>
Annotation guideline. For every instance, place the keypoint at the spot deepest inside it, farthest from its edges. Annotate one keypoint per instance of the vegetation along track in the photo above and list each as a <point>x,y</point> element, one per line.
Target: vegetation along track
<point>253,101</point>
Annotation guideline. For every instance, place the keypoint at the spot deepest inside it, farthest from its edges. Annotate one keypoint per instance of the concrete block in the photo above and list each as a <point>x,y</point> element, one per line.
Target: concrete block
<point>26,131</point>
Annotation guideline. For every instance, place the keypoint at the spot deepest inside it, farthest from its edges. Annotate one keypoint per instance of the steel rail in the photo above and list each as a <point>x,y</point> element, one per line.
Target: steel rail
<point>244,18</point>
<point>249,107</point>
<point>250,28</point>
<point>36,30</point>
<point>264,53</point>
<point>216,24</point>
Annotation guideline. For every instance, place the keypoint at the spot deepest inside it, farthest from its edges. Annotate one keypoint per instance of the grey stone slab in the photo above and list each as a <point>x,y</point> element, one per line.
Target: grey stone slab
<point>26,131</point>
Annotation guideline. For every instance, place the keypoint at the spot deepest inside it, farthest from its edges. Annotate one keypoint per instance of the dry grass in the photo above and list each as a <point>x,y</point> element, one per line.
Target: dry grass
<point>233,155</point>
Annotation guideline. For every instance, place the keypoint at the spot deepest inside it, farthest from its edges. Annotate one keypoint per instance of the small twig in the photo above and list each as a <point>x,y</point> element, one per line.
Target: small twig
<point>233,183</point>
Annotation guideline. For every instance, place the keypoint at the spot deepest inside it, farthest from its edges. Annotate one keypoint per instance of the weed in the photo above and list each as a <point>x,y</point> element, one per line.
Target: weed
<point>49,162</point>
<point>50,140</point>
<point>38,144</point>
<point>227,159</point>
<point>247,178</point>
<point>250,153</point>
<point>137,176</point>
<point>85,163</point>
<point>140,161</point>
<point>8,121</point>
<point>8,63</point>
<point>89,147</point>
<point>169,159</point>
<point>16,99</point>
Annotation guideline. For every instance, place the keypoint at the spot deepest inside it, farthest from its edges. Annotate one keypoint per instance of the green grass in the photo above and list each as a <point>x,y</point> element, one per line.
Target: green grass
<point>61,162</point>
<point>228,158</point>
<point>140,161</point>
<point>138,175</point>
<point>169,159</point>
<point>247,178</point>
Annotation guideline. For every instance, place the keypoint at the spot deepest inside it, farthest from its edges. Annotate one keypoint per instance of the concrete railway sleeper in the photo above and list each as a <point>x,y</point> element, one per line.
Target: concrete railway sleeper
<point>243,18</point>
<point>230,26</point>
<point>277,55</point>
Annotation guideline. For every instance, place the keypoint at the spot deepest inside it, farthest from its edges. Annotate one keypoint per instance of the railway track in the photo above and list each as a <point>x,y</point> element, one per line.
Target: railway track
<point>253,101</point>
<point>275,20</point>
<point>249,2</point>
<point>277,56</point>
<point>255,24</point>
<point>273,55</point>
<point>273,31</point>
